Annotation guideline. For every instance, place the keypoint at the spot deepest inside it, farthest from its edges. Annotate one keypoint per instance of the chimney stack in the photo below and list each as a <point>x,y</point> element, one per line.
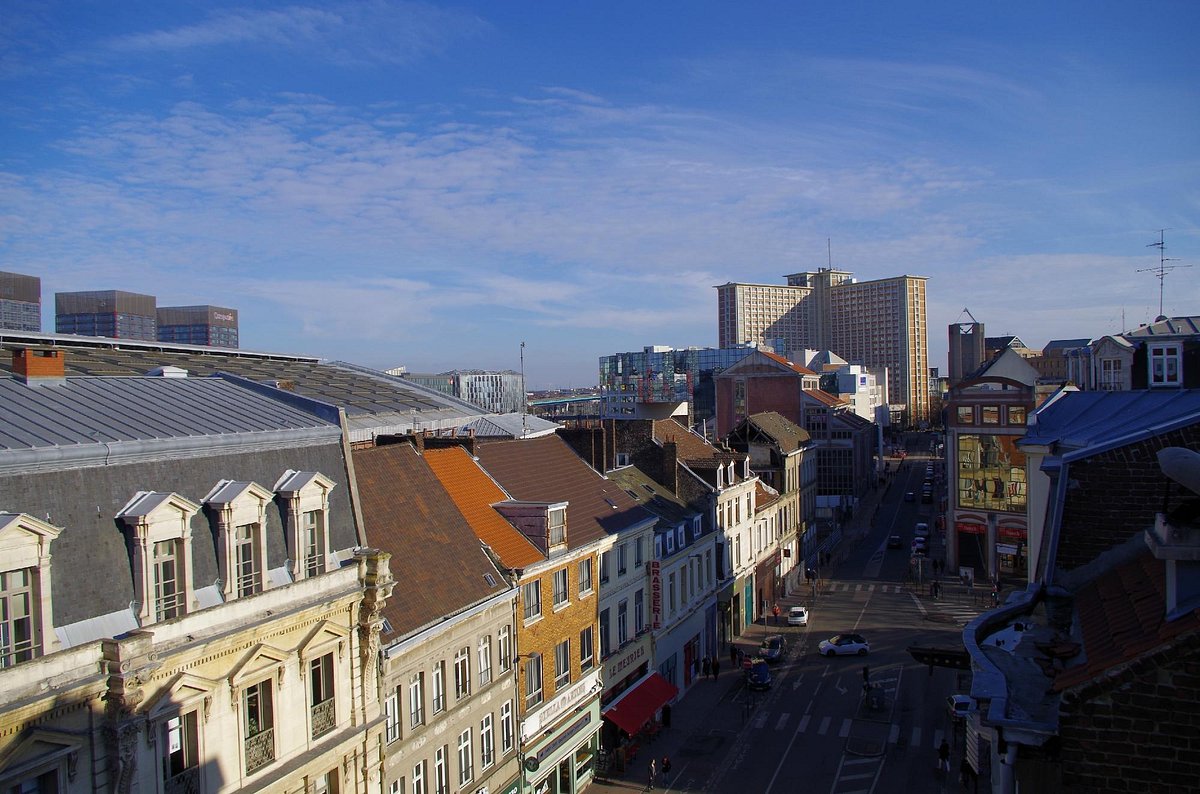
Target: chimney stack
<point>39,366</point>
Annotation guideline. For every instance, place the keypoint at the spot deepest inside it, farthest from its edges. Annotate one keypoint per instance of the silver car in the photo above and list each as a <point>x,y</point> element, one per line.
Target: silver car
<point>844,645</point>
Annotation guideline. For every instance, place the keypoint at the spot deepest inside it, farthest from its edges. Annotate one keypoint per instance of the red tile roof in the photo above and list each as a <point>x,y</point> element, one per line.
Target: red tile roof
<point>474,492</point>
<point>825,397</point>
<point>1122,616</point>
<point>435,555</point>
<point>547,470</point>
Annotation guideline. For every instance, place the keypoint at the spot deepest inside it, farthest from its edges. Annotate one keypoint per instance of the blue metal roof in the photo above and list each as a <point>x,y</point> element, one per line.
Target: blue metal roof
<point>1093,421</point>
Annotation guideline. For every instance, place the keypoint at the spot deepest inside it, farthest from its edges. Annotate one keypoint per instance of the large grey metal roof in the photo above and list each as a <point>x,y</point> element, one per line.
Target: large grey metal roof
<point>374,401</point>
<point>1097,420</point>
<point>89,421</point>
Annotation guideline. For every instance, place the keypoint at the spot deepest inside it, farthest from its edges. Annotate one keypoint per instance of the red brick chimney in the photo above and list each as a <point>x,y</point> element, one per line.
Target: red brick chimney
<point>39,366</point>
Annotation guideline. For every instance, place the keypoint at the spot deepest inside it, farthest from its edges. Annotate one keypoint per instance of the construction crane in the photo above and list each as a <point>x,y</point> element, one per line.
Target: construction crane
<point>1163,268</point>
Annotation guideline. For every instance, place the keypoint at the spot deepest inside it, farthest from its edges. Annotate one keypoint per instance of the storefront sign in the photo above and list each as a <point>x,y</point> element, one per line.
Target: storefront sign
<point>1012,533</point>
<point>563,737</point>
<point>1005,549</point>
<point>628,661</point>
<point>970,529</point>
<point>655,594</point>
<point>583,689</point>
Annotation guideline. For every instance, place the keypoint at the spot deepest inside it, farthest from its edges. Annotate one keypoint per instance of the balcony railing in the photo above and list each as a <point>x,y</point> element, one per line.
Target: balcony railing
<point>186,782</point>
<point>323,718</point>
<point>260,749</point>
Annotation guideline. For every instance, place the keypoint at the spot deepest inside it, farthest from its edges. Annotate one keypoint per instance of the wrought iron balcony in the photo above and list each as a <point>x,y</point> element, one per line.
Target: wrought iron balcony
<point>323,718</point>
<point>186,782</point>
<point>260,749</point>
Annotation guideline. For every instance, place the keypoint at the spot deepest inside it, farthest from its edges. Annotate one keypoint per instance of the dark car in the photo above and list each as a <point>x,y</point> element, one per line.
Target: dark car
<point>909,496</point>
<point>758,675</point>
<point>773,648</point>
<point>895,542</point>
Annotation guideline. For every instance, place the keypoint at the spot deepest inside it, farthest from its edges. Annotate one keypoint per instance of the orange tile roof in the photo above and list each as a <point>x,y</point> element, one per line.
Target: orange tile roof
<point>825,397</point>
<point>1122,616</point>
<point>688,445</point>
<point>474,493</point>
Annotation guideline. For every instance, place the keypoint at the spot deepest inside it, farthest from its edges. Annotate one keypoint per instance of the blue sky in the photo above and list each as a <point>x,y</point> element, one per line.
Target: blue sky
<point>430,185</point>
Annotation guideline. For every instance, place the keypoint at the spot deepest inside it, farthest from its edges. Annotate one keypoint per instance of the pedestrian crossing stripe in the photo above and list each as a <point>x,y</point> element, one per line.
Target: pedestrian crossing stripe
<point>827,724</point>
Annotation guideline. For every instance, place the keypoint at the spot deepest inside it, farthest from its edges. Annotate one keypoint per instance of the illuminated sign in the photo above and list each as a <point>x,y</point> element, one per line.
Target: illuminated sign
<point>655,594</point>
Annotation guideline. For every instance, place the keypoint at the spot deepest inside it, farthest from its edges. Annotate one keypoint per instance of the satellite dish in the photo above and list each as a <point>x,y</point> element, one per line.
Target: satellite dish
<point>1182,465</point>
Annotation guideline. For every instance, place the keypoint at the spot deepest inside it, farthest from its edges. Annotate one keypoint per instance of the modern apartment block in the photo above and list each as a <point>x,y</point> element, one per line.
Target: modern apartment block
<point>878,323</point>
<point>110,313</point>
<point>498,392</point>
<point>20,302</point>
<point>211,326</point>
<point>632,384</point>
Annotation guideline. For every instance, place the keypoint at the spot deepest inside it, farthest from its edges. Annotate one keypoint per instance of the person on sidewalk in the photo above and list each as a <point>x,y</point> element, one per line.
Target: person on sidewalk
<point>706,665</point>
<point>943,756</point>
<point>716,668</point>
<point>733,654</point>
<point>650,782</point>
<point>666,770</point>
<point>775,612</point>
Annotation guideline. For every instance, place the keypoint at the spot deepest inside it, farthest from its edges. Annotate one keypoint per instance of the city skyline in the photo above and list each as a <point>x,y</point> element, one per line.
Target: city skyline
<point>430,185</point>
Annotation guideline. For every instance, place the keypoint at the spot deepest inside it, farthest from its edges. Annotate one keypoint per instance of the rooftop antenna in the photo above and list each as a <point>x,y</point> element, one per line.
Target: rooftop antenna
<point>829,253</point>
<point>524,397</point>
<point>1161,271</point>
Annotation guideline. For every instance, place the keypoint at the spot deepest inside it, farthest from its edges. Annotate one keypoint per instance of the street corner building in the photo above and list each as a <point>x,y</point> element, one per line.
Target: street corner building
<point>189,605</point>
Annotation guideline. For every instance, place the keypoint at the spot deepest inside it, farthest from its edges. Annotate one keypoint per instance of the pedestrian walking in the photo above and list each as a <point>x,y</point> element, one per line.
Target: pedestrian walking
<point>716,668</point>
<point>964,771</point>
<point>733,654</point>
<point>666,770</point>
<point>943,756</point>
<point>775,611</point>
<point>650,782</point>
<point>705,666</point>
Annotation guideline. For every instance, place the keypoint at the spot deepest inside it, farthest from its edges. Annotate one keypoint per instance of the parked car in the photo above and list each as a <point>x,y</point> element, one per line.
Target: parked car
<point>921,530</point>
<point>773,648</point>
<point>758,674</point>
<point>798,616</point>
<point>959,706</point>
<point>895,542</point>
<point>909,496</point>
<point>918,547</point>
<point>844,645</point>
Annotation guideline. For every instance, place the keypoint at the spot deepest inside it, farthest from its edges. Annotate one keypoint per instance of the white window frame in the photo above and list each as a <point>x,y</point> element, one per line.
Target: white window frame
<point>441,774</point>
<point>622,558</point>
<point>587,649</point>
<point>487,742</point>
<point>462,673</point>
<point>504,647</point>
<point>304,492</point>
<point>1164,364</point>
<point>485,660</point>
<point>622,621</point>
<point>233,505</point>
<point>534,681</point>
<point>556,526</point>
<point>265,686</point>
<point>439,687</point>
<point>153,517</point>
<point>507,727</point>
<point>323,665</point>
<point>391,711</point>
<point>416,699</point>
<point>466,761</point>
<point>562,664</point>
<point>418,778</point>
<point>562,588</point>
<point>25,543</point>
<point>585,577</point>
<point>531,601</point>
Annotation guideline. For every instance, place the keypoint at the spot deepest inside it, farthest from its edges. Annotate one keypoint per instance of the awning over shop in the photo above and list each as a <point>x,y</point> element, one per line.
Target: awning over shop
<point>636,705</point>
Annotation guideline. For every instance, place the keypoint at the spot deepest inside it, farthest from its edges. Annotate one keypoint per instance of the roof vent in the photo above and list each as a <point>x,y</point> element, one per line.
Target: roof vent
<point>167,371</point>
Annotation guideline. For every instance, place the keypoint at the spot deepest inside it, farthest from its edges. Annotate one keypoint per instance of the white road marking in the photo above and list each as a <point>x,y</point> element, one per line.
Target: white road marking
<point>824,725</point>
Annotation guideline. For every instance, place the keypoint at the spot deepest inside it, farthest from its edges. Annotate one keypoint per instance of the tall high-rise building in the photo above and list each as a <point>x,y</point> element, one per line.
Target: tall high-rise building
<point>111,313</point>
<point>213,326</point>
<point>20,302</point>
<point>878,323</point>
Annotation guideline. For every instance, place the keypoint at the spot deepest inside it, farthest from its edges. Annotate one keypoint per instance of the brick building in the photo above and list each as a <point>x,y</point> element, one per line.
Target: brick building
<point>1082,677</point>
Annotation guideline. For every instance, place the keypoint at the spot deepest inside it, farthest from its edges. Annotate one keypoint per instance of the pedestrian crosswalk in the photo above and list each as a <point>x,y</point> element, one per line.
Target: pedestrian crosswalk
<point>898,735</point>
<point>863,587</point>
<point>945,609</point>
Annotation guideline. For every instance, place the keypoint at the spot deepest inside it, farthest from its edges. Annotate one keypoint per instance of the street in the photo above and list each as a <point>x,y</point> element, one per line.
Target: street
<point>816,729</point>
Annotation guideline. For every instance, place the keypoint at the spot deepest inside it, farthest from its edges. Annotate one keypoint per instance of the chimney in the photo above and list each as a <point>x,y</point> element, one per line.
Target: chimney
<point>39,366</point>
<point>1175,536</point>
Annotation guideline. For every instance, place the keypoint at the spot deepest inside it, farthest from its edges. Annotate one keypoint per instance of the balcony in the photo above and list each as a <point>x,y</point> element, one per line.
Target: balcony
<point>260,749</point>
<point>324,718</point>
<point>186,782</point>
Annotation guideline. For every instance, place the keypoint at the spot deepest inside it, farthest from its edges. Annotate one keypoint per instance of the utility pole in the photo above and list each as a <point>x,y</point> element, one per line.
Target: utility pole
<point>524,397</point>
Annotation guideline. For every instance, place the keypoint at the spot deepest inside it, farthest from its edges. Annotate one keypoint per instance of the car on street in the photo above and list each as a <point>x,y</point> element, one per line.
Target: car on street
<point>798,616</point>
<point>909,496</point>
<point>918,547</point>
<point>844,645</point>
<point>758,674</point>
<point>895,542</point>
<point>921,530</point>
<point>773,648</point>
<point>959,706</point>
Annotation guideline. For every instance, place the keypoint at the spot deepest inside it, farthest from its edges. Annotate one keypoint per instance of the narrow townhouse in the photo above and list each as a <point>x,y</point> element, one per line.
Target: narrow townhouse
<point>448,690</point>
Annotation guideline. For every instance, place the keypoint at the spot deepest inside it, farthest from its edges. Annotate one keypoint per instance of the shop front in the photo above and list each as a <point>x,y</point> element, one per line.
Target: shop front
<point>679,649</point>
<point>560,742</point>
<point>1012,558</point>
<point>634,718</point>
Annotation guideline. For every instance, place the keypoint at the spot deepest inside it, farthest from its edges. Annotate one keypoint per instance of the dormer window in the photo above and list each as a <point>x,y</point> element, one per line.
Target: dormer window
<point>556,525</point>
<point>25,609</point>
<point>161,528</point>
<point>240,512</point>
<point>306,499</point>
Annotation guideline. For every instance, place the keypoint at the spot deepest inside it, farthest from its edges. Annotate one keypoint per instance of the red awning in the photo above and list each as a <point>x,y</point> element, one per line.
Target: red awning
<point>634,708</point>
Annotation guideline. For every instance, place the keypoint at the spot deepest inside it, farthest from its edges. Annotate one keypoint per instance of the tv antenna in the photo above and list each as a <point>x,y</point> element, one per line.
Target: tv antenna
<point>1163,268</point>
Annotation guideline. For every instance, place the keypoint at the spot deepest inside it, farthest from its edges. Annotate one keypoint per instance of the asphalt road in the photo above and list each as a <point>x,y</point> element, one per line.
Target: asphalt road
<point>814,731</point>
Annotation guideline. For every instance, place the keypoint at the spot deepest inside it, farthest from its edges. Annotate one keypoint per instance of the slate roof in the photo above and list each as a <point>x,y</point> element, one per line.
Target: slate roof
<point>513,425</point>
<point>641,488</point>
<point>1064,344</point>
<point>1098,420</point>
<point>786,433</point>
<point>547,470</point>
<point>474,493</point>
<point>370,398</point>
<point>1168,326</point>
<point>437,560</point>
<point>778,359</point>
<point>688,444</point>
<point>1122,617</point>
